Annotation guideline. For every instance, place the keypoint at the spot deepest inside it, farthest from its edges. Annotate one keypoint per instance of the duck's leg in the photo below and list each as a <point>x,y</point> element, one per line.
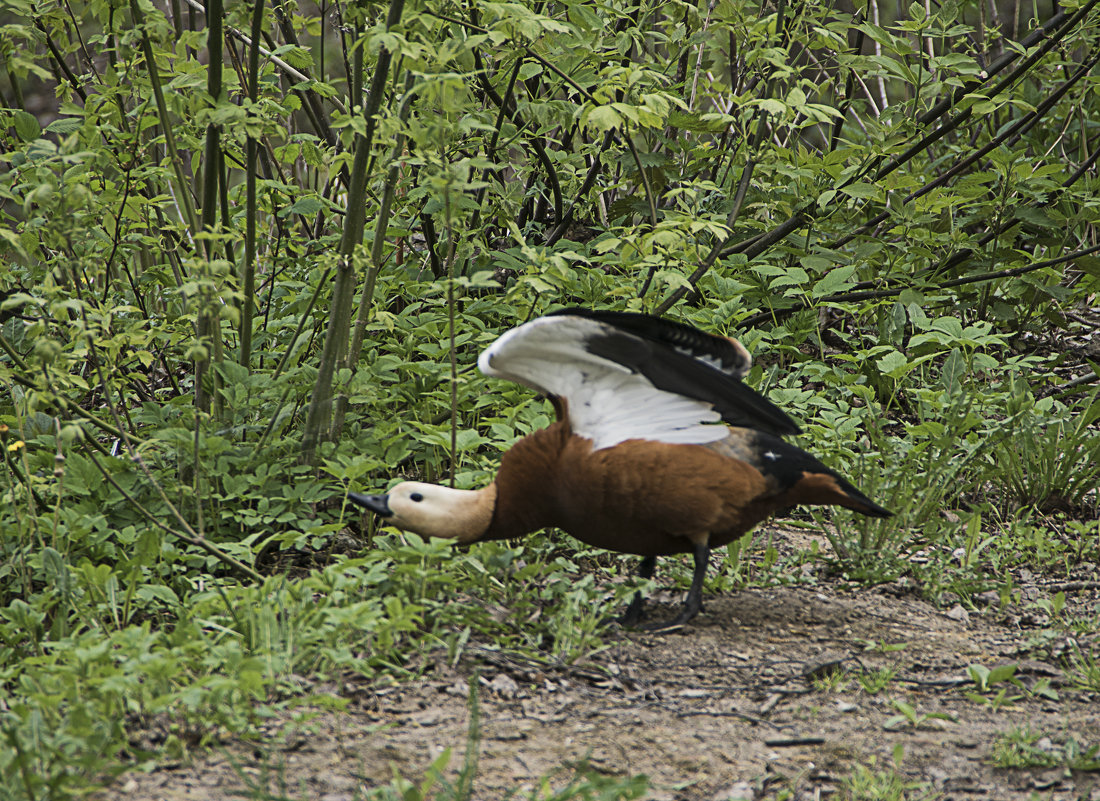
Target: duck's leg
<point>634,612</point>
<point>694,601</point>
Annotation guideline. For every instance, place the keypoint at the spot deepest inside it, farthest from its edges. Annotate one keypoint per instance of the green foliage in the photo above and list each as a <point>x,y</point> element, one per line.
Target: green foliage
<point>215,663</point>
<point>908,716</point>
<point>1083,669</point>
<point>869,783</point>
<point>985,681</point>
<point>1052,461</point>
<point>835,680</point>
<point>998,688</point>
<point>1024,748</point>
<point>985,678</point>
<point>227,296</point>
<point>874,682</point>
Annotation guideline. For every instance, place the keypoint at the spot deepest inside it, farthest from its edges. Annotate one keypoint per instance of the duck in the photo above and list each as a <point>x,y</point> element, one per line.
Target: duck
<point>659,448</point>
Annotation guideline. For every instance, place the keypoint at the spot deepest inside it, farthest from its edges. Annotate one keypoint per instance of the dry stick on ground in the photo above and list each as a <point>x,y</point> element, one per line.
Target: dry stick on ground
<point>1063,390</point>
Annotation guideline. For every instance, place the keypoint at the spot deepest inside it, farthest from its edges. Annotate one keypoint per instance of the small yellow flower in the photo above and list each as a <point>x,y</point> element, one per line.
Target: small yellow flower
<point>17,445</point>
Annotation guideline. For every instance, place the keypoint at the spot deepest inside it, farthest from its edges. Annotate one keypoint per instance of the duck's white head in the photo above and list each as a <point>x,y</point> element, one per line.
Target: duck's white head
<point>434,511</point>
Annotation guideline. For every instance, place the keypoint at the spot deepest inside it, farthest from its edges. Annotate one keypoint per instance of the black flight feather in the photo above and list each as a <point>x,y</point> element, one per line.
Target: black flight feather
<point>679,336</point>
<point>788,464</point>
<point>668,354</point>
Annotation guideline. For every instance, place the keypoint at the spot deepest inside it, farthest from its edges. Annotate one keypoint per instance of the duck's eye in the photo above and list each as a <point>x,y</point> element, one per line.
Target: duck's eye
<point>416,497</point>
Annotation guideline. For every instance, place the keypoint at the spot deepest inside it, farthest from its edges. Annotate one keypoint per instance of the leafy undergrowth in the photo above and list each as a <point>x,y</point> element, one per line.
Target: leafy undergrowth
<point>242,274</point>
<point>772,693</point>
<point>225,659</point>
<point>120,644</point>
<point>142,683</point>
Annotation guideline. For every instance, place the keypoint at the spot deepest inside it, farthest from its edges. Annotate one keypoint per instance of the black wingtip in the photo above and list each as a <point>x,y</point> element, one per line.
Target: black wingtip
<point>729,355</point>
<point>693,363</point>
<point>865,505</point>
<point>874,510</point>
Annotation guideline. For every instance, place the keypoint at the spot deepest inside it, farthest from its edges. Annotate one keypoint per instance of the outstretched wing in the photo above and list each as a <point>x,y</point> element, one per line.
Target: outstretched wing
<point>632,376</point>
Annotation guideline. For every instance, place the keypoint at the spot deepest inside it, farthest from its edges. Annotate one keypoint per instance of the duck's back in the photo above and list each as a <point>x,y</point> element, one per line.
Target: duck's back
<point>652,498</point>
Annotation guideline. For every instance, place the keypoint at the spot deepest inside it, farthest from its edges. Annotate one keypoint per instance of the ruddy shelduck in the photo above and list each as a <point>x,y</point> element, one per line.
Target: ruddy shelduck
<point>659,448</point>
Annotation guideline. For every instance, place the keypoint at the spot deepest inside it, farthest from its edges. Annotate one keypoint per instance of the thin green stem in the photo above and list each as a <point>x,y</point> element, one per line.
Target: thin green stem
<point>183,193</point>
<point>336,339</point>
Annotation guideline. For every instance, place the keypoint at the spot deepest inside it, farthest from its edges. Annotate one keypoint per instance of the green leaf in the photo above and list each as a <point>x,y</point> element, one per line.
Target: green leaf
<point>1088,264</point>
<point>860,190</point>
<point>834,281</point>
<point>308,206</point>
<point>817,264</point>
<point>693,121</point>
<point>894,364</point>
<point>65,125</point>
<point>529,70</point>
<point>954,368</point>
<point>1001,673</point>
<point>979,674</point>
<point>796,98</point>
<point>673,278</point>
<point>297,57</point>
<point>604,118</point>
<point>788,276</point>
<point>949,325</point>
<point>26,126</point>
<point>160,592</point>
<point>773,107</point>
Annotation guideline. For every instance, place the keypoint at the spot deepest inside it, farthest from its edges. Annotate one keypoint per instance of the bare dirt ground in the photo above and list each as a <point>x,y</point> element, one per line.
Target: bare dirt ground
<point>738,704</point>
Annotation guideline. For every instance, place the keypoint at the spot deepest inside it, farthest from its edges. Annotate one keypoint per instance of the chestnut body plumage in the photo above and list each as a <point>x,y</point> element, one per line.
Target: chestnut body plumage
<point>658,448</point>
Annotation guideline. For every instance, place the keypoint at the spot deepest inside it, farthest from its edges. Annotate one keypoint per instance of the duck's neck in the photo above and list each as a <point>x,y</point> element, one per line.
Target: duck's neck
<point>526,494</point>
<point>472,513</point>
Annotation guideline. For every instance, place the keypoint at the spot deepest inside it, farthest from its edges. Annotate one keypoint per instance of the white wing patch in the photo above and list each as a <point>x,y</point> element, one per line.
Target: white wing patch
<point>607,402</point>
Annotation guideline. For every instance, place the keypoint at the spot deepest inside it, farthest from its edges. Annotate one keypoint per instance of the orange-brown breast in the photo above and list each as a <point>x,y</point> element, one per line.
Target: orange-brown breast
<point>639,497</point>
